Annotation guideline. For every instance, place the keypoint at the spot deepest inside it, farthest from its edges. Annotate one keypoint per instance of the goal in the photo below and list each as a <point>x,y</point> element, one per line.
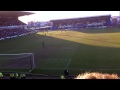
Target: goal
<point>23,62</point>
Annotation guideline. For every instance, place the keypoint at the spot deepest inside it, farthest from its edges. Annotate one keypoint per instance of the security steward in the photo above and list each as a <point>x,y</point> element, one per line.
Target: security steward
<point>16,75</point>
<point>12,76</point>
<point>22,76</point>
<point>62,77</point>
<point>1,75</point>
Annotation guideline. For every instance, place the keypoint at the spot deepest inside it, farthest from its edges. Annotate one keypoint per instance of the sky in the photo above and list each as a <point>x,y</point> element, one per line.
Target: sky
<point>52,15</point>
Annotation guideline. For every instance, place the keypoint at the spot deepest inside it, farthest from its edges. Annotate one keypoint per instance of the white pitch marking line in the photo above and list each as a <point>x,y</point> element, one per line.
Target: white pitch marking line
<point>68,63</point>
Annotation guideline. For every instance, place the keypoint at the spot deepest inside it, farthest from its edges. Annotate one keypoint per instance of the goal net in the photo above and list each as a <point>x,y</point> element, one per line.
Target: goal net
<point>23,62</point>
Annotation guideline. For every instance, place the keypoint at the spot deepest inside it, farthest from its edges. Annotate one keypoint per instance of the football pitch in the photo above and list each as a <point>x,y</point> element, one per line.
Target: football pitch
<point>77,50</point>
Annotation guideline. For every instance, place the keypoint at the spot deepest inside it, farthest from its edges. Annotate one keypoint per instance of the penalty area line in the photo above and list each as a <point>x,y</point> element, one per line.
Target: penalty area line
<point>68,63</point>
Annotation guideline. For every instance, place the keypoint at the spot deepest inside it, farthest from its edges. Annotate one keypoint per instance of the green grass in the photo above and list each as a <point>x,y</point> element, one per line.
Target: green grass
<point>53,63</point>
<point>78,51</point>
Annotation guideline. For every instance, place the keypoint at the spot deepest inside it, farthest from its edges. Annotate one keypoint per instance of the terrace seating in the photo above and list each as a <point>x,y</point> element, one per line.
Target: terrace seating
<point>9,21</point>
<point>12,33</point>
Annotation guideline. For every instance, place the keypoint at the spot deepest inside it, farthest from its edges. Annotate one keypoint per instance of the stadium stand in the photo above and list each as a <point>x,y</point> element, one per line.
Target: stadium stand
<point>10,21</point>
<point>83,22</point>
<point>10,26</point>
<point>12,33</point>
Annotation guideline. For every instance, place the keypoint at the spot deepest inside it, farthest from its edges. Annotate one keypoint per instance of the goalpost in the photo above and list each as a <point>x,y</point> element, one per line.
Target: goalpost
<point>23,62</point>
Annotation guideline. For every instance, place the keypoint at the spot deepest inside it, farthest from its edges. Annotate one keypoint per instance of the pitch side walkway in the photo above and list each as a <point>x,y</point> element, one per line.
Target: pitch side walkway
<point>38,76</point>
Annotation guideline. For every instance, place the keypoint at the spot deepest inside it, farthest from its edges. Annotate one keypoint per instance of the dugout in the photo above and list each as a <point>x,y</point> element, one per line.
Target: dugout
<point>82,22</point>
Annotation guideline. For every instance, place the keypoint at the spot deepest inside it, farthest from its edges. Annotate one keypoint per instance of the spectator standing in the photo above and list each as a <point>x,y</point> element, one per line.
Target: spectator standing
<point>66,73</point>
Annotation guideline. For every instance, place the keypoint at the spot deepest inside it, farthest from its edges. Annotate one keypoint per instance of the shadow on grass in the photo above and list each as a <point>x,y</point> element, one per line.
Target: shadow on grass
<point>83,57</point>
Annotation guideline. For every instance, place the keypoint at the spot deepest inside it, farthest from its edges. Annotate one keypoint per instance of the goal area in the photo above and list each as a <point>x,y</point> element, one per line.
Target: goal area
<point>23,62</point>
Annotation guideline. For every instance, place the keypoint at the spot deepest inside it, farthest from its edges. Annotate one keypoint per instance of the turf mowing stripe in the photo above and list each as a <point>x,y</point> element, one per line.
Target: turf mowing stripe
<point>79,69</point>
<point>56,59</point>
<point>69,48</point>
<point>51,68</point>
<point>60,48</point>
<point>68,60</point>
<point>92,69</point>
